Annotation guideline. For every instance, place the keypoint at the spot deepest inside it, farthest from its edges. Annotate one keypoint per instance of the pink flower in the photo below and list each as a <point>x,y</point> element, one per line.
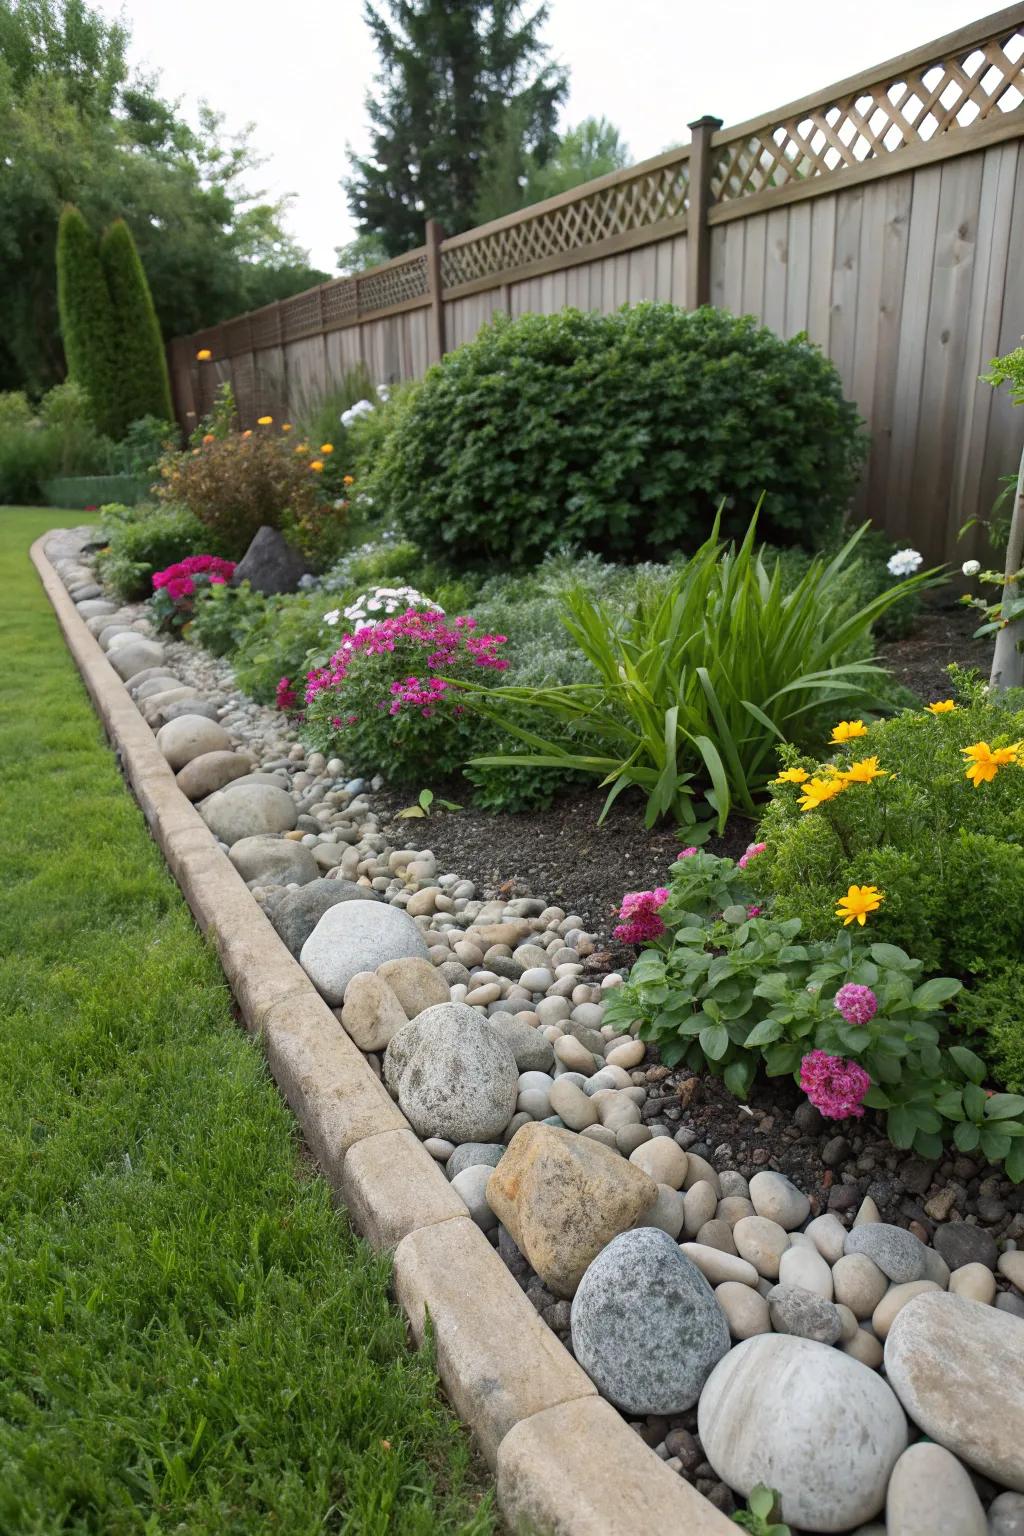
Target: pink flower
<point>752,852</point>
<point>753,911</point>
<point>857,1004</point>
<point>285,696</point>
<point>834,1086</point>
<point>687,853</point>
<point>640,920</point>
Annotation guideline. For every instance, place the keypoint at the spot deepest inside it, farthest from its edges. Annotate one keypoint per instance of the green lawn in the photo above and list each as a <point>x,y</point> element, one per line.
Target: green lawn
<point>191,1341</point>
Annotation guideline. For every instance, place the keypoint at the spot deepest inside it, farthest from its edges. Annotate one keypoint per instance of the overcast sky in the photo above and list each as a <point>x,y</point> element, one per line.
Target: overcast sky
<point>300,72</point>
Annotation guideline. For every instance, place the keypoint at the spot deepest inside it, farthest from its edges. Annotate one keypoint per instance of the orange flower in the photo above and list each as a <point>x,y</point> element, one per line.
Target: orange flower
<point>247,432</point>
<point>326,447</point>
<point>301,447</point>
<point>942,707</point>
<point>348,479</point>
<point>203,355</point>
<point>847,730</point>
<point>984,764</point>
<point>317,464</point>
<point>286,426</point>
<point>858,902</point>
<point>208,437</point>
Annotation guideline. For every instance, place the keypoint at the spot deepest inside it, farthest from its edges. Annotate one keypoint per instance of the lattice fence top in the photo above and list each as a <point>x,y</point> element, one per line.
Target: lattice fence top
<point>383,286</point>
<point>630,203</point>
<point>921,105</point>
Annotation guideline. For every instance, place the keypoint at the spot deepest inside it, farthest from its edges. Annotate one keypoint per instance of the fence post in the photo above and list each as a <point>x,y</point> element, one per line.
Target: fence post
<point>698,234</point>
<point>436,338</point>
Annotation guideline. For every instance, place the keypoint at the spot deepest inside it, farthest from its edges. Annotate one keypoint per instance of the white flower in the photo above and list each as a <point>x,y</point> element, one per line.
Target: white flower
<point>971,567</point>
<point>904,562</point>
<point>333,616</point>
<point>383,392</point>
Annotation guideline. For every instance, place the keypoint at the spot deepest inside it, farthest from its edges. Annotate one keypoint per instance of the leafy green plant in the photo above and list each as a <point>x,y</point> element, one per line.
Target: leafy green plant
<point>225,616</point>
<point>733,988</point>
<point>143,386</point>
<point>758,1517</point>
<point>949,853</point>
<point>989,1013</point>
<point>139,451</point>
<point>425,802</point>
<point>141,540</point>
<point>619,433</point>
<point>707,675</point>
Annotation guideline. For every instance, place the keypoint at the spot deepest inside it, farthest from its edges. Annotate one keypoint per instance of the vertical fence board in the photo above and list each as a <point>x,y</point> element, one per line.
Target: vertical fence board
<point>823,244</point>
<point>776,268</point>
<point>924,215</point>
<point>1005,430</point>
<point>753,265</point>
<point>798,270</point>
<point>896,229</point>
<point>845,279</point>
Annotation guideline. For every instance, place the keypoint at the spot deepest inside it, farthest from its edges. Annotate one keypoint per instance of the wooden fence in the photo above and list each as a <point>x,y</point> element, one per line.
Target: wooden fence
<point>884,216</point>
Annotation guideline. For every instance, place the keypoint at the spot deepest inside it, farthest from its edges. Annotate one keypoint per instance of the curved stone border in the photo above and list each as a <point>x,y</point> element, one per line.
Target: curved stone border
<point>566,1462</point>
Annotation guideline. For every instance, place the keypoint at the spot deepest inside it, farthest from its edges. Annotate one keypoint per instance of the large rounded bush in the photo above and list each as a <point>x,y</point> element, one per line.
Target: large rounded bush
<point>619,433</point>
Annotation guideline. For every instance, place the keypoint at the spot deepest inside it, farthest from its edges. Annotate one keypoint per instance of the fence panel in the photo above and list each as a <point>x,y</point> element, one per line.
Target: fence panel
<point>884,216</point>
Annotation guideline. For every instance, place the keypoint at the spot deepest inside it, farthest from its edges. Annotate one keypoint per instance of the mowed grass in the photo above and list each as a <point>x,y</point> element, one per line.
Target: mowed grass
<point>191,1341</point>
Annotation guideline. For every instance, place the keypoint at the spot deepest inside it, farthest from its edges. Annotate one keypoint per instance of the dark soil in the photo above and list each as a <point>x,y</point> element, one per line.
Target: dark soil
<point>564,857</point>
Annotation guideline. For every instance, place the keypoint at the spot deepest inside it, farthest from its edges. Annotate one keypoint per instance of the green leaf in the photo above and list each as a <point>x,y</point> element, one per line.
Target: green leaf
<point>970,1065</point>
<point>782,1058</point>
<point>714,1041</point>
<point>774,986</point>
<point>974,1101</point>
<point>900,1126</point>
<point>995,1144</point>
<point>739,1075</point>
<point>966,1136</point>
<point>890,956</point>
<point>1004,1106</point>
<point>928,1144</point>
<point>939,989</point>
<point>764,1033</point>
<point>1013,1166</point>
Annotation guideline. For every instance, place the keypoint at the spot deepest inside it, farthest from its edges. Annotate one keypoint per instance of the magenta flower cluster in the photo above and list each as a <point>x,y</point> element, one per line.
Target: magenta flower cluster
<point>285,696</point>
<point>857,1004</point>
<point>639,920</point>
<point>834,1086</point>
<point>753,849</point>
<point>443,642</point>
<point>178,580</point>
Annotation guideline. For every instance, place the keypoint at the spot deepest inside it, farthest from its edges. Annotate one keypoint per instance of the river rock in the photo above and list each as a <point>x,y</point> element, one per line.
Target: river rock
<point>563,1198</point>
<point>777,1198</point>
<point>828,1235</point>
<point>128,660</point>
<point>762,1243</point>
<point>746,1310</point>
<point>454,1077</point>
<point>272,861</point>
<point>929,1492</point>
<point>667,1213</point>
<point>956,1366</point>
<point>895,1299</point>
<point>806,1269</point>
<point>897,1252</point>
<point>357,936</point>
<point>372,1014</point>
<point>474,1154</point>
<point>247,810</point>
<point>975,1281</point>
<point>718,1267</point>
<point>298,912</point>
<point>192,736</point>
<point>210,772</point>
<point>416,983</point>
<point>639,1288</point>
<point>1006,1515</point>
<point>806,1314</point>
<point>532,1051</point>
<point>858,1283</point>
<point>960,1243</point>
<point>806,1420</point>
<point>663,1160</point>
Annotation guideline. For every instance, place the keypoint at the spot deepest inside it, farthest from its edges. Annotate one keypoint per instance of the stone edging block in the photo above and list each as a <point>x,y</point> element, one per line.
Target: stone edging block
<point>566,1461</point>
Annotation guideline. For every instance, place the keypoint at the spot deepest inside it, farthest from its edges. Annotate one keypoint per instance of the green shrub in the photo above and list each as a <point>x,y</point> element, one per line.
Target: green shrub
<point>618,433</point>
<point>948,855</point>
<point>141,540</point>
<point>67,418</point>
<point>224,618</point>
<point>27,460</point>
<point>140,450</point>
<point>87,320</point>
<point>699,682</point>
<point>992,1012</point>
<point>275,638</point>
<point>15,410</point>
<point>143,383</point>
<point>734,988</point>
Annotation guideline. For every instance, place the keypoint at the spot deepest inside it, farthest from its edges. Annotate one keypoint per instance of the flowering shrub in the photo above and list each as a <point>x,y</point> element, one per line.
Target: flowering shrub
<point>928,807</point>
<point>639,916</point>
<point>380,603</point>
<point>176,589</point>
<point>384,703</point>
<point>731,987</point>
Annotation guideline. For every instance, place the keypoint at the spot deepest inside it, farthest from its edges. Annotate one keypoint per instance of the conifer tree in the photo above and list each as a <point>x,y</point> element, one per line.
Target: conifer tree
<point>87,319</point>
<point>143,385</point>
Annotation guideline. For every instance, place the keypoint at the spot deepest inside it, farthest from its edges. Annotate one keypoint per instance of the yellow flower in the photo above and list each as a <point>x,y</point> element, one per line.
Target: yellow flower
<point>818,791</point>
<point>864,770</point>
<point>847,730</point>
<point>301,447</point>
<point>792,776</point>
<point>348,479</point>
<point>326,447</point>
<point>985,764</point>
<point>203,355</point>
<point>286,426</point>
<point>858,902</point>
<point>264,421</point>
<point>317,464</point>
<point>942,707</point>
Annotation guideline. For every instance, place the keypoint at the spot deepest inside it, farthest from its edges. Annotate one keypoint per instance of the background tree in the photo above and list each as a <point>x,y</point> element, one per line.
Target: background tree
<point>87,320</point>
<point>511,179</point>
<point>77,126</point>
<point>143,385</point>
<point>457,79</point>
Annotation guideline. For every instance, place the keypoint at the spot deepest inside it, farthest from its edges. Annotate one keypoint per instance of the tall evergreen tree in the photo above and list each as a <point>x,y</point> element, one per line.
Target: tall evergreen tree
<point>144,388</point>
<point>87,318</point>
<point>456,78</point>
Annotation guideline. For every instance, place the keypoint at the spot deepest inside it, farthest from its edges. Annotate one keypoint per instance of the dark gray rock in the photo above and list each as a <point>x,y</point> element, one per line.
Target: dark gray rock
<point>298,912</point>
<point>961,1243</point>
<point>898,1253</point>
<point>474,1154</point>
<point>804,1314</point>
<point>642,1288</point>
<point>270,564</point>
<point>532,1050</point>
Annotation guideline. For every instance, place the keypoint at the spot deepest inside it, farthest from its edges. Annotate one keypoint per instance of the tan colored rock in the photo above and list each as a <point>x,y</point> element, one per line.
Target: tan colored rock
<point>571,1104</point>
<point>733,1209</point>
<point>863,1347</point>
<point>701,1203</point>
<point>574,1055</point>
<point>746,1310</point>
<point>717,1234</point>
<point>204,775</point>
<point>498,933</point>
<point>663,1159</point>
<point>858,1283</point>
<point>563,1198</point>
<point>975,1281</point>
<point>416,983</point>
<point>894,1300</point>
<point>628,1053</point>
<point>1011,1264</point>
<point>699,1168</point>
<point>718,1267</point>
<point>761,1242</point>
<point>371,1014</point>
<point>421,903</point>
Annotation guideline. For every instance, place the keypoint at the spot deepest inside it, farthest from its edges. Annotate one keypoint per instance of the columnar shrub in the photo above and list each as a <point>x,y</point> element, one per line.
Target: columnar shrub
<point>87,320</point>
<point>143,385</point>
<point>620,433</point>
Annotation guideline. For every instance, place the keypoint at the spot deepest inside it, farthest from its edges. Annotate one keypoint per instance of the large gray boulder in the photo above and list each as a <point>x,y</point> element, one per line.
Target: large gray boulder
<point>270,564</point>
<point>455,1078</point>
<point>272,861</point>
<point>646,1327</point>
<point>252,810</point>
<point>298,912</point>
<point>807,1420</point>
<point>191,736</point>
<point>356,936</point>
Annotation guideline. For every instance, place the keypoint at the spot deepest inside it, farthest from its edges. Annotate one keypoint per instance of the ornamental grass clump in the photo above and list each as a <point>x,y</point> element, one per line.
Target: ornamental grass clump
<point>734,987</point>
<point>698,684</point>
<point>386,701</point>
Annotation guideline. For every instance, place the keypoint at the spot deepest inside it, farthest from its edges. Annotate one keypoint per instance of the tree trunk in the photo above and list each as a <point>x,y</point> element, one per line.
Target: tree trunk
<point>1008,660</point>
